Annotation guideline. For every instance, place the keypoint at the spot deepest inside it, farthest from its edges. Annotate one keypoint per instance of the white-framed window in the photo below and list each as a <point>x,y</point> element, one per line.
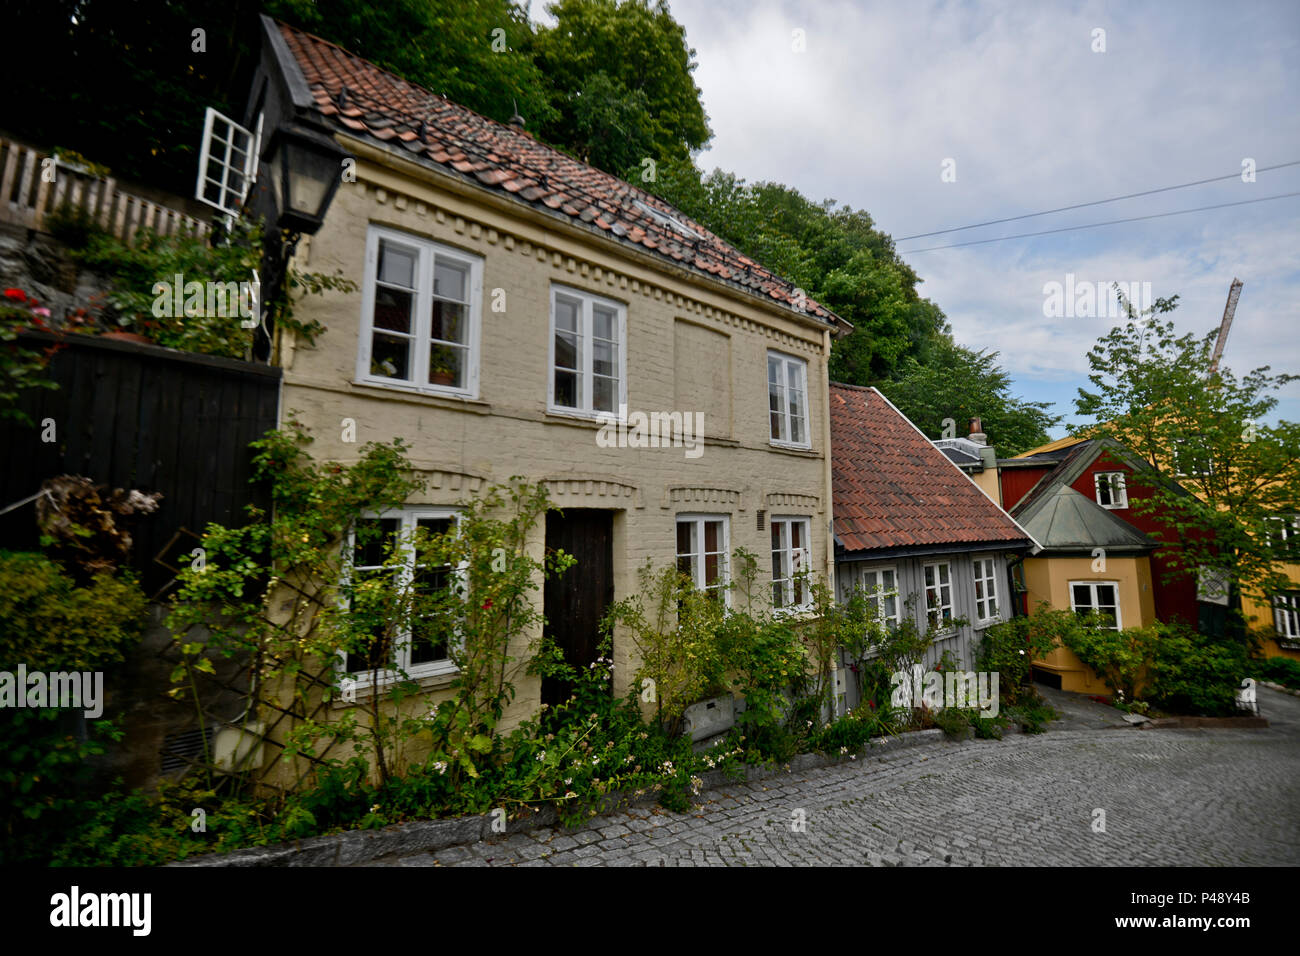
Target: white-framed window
<point>703,543</point>
<point>227,162</point>
<point>1099,596</point>
<point>1112,492</point>
<point>1283,533</point>
<point>937,579</point>
<point>1286,615</point>
<point>791,550</point>
<point>787,399</point>
<point>421,650</point>
<point>1191,460</point>
<point>986,589</point>
<point>879,586</point>
<point>421,319</point>
<point>588,354</point>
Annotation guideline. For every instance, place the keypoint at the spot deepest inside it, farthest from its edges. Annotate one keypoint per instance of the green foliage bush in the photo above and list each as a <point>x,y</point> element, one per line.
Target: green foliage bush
<point>50,624</point>
<point>1191,673</point>
<point>1279,670</point>
<point>1011,646</point>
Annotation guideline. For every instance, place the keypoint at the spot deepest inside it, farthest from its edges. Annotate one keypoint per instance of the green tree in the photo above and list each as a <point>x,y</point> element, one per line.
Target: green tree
<point>619,76</point>
<point>475,52</point>
<point>1218,473</point>
<point>962,384</point>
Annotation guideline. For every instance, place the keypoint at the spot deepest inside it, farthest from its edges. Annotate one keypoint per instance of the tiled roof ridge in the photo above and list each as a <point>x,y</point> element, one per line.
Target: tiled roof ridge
<point>549,177</point>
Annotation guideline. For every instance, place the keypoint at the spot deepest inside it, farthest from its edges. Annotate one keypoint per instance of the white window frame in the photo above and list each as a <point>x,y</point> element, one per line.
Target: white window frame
<point>427,254</point>
<point>1283,533</point>
<point>875,590</point>
<point>987,608</point>
<point>787,361</point>
<point>249,172</point>
<point>586,320</point>
<point>1286,615</point>
<point>1182,445</point>
<point>1116,487</point>
<point>1095,604</point>
<point>698,520</point>
<point>799,559</point>
<point>409,516</point>
<point>938,589</point>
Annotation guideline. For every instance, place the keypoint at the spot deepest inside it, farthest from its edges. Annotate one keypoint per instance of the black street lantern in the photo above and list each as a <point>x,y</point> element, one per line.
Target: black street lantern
<point>305,166</point>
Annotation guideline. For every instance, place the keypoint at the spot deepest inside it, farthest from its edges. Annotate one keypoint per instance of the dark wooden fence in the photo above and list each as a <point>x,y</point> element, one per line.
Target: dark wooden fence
<point>128,416</point>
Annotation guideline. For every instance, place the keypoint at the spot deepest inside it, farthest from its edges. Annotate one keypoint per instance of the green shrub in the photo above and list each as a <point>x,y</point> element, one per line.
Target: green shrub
<point>1120,658</point>
<point>953,721</point>
<point>1033,716</point>
<point>1011,647</point>
<point>1279,670</point>
<point>1191,673</point>
<point>50,624</point>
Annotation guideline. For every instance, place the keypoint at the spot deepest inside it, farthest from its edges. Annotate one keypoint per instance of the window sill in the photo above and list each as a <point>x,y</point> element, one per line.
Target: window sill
<point>364,692</point>
<point>790,447</point>
<point>438,397</point>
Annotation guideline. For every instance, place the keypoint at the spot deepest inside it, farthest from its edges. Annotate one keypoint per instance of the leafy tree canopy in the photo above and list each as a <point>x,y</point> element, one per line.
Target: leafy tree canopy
<point>1220,474</point>
<point>619,76</point>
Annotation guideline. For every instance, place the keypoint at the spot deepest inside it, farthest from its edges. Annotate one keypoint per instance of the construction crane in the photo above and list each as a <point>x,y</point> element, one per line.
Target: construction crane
<point>1234,293</point>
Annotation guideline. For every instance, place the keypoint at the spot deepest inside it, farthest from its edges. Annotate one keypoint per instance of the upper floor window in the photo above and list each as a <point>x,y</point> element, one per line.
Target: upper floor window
<point>398,634</point>
<point>1286,615</point>
<point>787,398</point>
<point>986,589</point>
<point>1099,596</point>
<point>1191,460</point>
<point>1112,492</point>
<point>790,563</point>
<point>420,325</point>
<point>702,548</point>
<point>938,595</point>
<point>1284,535</point>
<point>588,353</point>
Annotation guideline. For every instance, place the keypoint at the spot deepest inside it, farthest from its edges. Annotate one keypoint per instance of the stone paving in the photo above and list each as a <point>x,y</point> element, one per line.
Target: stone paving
<point>1171,798</point>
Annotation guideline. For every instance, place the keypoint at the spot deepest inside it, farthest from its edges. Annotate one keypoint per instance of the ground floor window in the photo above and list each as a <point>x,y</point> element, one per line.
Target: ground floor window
<point>790,563</point>
<point>702,549</point>
<point>382,548</point>
<point>1099,596</point>
<point>938,595</point>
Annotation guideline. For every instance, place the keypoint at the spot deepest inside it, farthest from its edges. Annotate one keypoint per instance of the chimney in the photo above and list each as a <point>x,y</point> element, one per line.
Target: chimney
<point>516,120</point>
<point>977,432</point>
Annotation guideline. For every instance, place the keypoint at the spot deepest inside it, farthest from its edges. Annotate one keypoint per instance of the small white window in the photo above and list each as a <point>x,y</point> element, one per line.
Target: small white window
<point>227,163</point>
<point>420,651</point>
<point>1112,493</point>
<point>986,590</point>
<point>880,588</point>
<point>420,326</point>
<point>787,397</point>
<point>1191,460</point>
<point>790,563</point>
<point>1286,615</point>
<point>1283,533</point>
<point>938,595</point>
<point>588,354</point>
<point>1099,596</point>
<point>703,543</point>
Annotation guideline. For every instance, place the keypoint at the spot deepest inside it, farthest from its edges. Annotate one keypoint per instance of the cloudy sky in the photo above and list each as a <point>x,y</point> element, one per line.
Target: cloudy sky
<point>1033,118</point>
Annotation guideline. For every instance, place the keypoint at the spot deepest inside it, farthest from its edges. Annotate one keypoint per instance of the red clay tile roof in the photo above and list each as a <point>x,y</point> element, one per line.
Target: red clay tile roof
<point>894,489</point>
<point>505,158</point>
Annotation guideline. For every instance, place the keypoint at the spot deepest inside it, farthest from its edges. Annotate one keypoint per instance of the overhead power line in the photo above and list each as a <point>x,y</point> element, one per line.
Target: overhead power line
<point>1094,225</point>
<point>1095,202</point>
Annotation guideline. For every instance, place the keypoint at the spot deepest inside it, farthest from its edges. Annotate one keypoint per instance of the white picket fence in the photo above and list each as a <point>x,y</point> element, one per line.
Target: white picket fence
<point>27,197</point>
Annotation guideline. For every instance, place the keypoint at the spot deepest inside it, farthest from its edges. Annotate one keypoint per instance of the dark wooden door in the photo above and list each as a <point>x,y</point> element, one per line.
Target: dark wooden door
<point>575,601</point>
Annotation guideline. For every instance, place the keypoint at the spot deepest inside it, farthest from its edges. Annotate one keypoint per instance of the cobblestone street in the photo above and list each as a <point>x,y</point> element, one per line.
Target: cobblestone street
<point>1171,797</point>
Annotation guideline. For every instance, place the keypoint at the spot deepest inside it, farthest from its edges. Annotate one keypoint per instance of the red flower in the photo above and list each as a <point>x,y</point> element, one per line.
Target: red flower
<point>16,294</point>
<point>487,605</point>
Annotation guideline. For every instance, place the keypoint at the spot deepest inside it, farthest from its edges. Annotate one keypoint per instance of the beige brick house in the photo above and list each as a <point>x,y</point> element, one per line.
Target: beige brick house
<point>512,303</point>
